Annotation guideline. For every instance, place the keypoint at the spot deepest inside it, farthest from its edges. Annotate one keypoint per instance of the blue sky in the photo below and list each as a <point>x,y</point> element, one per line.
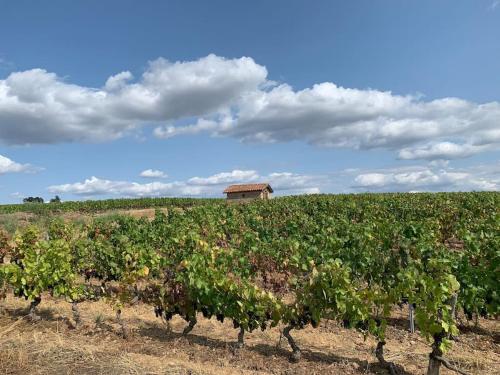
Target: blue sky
<point>180,98</point>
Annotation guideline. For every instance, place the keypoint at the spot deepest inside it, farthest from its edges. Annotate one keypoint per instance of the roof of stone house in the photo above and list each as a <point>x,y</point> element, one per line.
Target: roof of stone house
<point>247,187</point>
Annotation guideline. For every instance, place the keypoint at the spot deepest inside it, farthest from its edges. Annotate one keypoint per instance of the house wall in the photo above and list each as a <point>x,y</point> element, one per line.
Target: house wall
<point>265,194</point>
<point>249,195</point>
<point>245,195</point>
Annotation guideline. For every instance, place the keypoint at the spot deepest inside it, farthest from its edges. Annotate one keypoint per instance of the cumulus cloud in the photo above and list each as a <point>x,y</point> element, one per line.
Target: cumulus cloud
<point>439,163</point>
<point>332,116</point>
<point>293,183</point>
<point>234,98</point>
<point>428,178</point>
<point>226,178</point>
<point>153,173</point>
<point>37,106</point>
<point>441,150</point>
<point>96,186</point>
<point>201,126</point>
<point>211,186</point>
<point>9,166</point>
<point>118,81</point>
<point>433,177</point>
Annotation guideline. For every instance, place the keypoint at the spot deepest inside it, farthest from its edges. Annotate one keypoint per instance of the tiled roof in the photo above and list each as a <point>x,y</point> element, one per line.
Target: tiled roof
<point>247,187</point>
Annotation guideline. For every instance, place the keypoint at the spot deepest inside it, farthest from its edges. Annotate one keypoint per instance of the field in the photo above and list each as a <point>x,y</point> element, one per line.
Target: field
<point>317,284</point>
<point>104,205</point>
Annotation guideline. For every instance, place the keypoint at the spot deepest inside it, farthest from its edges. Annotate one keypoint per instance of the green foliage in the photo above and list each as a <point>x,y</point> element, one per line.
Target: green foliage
<point>296,260</point>
<point>203,283</point>
<point>32,204</point>
<point>56,199</point>
<point>40,265</point>
<point>33,200</point>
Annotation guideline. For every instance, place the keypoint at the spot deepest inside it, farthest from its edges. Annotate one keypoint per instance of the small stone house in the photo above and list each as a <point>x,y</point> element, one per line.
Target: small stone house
<point>248,191</point>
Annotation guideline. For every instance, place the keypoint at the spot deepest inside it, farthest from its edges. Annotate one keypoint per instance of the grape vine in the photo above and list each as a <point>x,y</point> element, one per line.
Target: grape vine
<point>289,263</point>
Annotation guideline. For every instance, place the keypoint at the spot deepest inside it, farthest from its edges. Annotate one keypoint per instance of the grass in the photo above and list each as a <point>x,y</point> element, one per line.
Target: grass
<point>52,346</point>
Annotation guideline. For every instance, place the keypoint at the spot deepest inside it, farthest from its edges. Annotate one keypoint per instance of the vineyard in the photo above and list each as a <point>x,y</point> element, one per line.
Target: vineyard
<point>283,265</point>
<point>91,206</point>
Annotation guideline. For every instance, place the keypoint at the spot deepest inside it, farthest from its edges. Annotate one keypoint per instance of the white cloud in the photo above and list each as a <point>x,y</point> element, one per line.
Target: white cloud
<point>328,115</point>
<point>283,183</point>
<point>226,178</point>
<point>421,178</point>
<point>433,177</point>
<point>9,166</point>
<point>153,173</point>
<point>372,179</point>
<point>201,126</point>
<point>95,186</point>
<point>440,150</point>
<point>331,116</point>
<point>293,183</point>
<point>441,163</point>
<point>39,107</point>
<point>234,98</point>
<point>118,81</point>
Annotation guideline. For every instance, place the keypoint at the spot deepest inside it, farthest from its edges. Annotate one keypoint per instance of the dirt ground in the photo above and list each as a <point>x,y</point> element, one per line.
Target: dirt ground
<point>53,346</point>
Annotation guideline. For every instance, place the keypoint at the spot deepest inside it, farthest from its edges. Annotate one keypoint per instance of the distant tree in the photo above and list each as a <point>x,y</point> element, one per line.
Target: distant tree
<point>33,200</point>
<point>56,199</point>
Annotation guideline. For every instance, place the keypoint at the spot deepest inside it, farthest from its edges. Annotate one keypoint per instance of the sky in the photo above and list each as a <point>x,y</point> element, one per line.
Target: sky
<point>182,98</point>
